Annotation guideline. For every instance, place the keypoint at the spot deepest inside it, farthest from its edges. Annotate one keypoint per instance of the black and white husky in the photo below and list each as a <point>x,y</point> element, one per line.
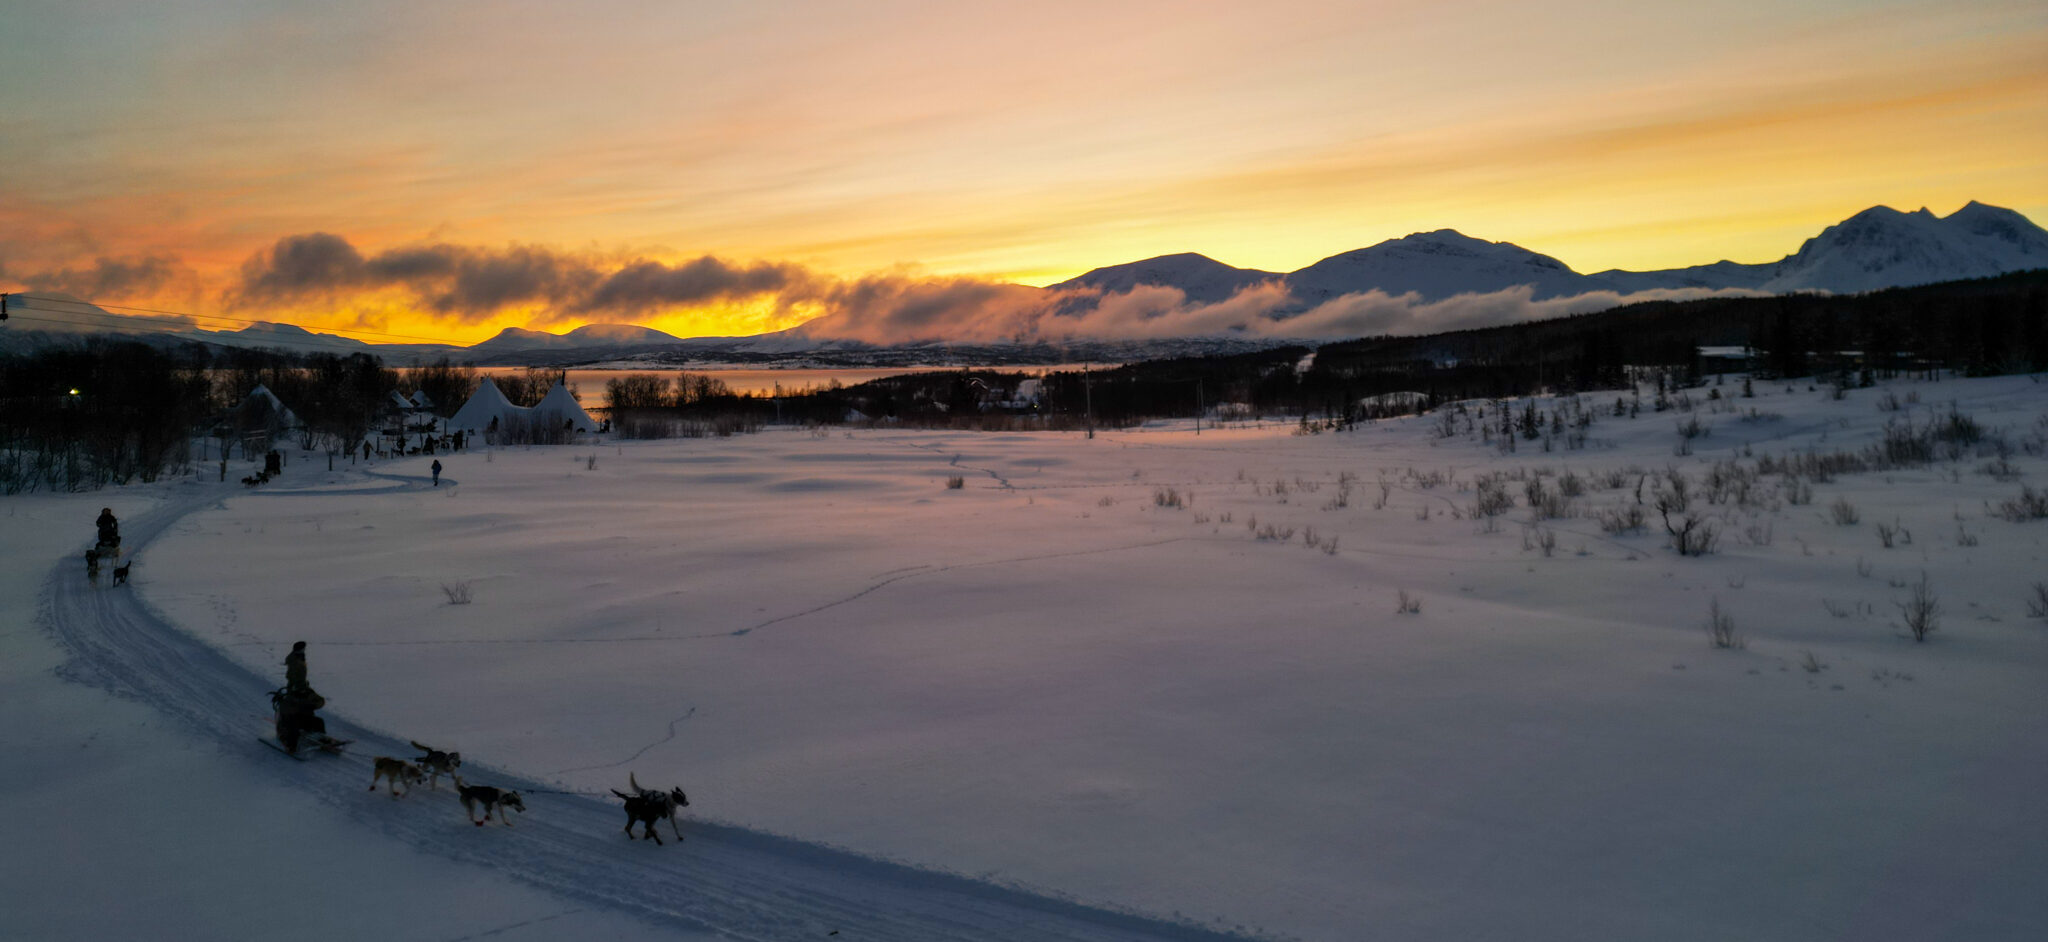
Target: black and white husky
<point>437,763</point>
<point>493,799</point>
<point>647,805</point>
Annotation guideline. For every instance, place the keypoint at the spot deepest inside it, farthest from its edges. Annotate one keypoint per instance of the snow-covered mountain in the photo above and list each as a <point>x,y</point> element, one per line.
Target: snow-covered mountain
<point>519,339</point>
<point>1436,265</point>
<point>1202,279</point>
<point>1877,248</point>
<point>1883,248</point>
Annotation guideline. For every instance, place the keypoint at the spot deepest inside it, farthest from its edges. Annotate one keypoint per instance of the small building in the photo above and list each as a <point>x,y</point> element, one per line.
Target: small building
<point>260,422</point>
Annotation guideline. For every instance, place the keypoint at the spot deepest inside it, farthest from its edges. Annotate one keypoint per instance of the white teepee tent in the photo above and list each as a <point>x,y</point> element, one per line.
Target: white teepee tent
<point>558,407</point>
<point>488,404</point>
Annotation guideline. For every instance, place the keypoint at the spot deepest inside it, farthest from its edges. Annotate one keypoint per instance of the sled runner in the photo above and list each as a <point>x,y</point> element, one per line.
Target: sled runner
<point>308,744</point>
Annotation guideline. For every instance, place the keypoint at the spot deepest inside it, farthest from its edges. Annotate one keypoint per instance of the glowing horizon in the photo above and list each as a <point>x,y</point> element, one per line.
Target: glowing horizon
<point>812,146</point>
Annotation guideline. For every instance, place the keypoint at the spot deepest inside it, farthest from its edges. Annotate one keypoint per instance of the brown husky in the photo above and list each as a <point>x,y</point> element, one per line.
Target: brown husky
<point>397,771</point>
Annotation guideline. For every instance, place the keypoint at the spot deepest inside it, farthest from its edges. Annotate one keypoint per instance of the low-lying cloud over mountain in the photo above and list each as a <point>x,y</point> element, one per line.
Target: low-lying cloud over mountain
<point>1426,282</point>
<point>1422,283</point>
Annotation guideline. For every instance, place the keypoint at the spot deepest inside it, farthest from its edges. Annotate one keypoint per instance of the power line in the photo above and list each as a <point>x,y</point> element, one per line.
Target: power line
<point>221,317</point>
<point>77,319</point>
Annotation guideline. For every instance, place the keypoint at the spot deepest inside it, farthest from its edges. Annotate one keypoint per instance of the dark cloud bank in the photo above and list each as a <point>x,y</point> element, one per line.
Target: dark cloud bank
<point>474,284</point>
<point>106,277</point>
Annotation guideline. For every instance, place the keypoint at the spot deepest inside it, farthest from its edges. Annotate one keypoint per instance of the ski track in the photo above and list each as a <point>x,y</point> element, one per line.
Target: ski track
<point>725,880</point>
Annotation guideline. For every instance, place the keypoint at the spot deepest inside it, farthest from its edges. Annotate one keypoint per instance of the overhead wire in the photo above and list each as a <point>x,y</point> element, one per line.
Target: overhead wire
<point>74,320</point>
<point>108,310</point>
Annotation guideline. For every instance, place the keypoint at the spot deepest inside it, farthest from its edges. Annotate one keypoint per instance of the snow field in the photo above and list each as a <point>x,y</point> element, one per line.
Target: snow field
<point>1048,679</point>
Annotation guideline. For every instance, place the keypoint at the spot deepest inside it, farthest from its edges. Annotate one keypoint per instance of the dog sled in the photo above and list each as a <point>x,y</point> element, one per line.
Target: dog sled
<point>298,726</point>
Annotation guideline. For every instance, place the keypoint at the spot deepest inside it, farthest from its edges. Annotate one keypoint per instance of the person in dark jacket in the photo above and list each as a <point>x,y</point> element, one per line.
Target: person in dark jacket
<point>437,472</point>
<point>110,529</point>
<point>297,702</point>
<point>296,715</point>
<point>295,668</point>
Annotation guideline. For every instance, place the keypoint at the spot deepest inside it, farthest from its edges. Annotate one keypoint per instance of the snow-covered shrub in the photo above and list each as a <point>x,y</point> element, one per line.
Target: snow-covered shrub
<point>1844,513</point>
<point>457,592</point>
<point>1492,498</point>
<point>1721,627</point>
<point>1921,610</point>
<point>2002,471</point>
<point>1622,518</point>
<point>2030,505</point>
<point>1691,533</point>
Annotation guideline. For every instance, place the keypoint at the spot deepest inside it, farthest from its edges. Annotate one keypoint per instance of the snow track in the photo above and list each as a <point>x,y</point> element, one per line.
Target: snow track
<point>724,880</point>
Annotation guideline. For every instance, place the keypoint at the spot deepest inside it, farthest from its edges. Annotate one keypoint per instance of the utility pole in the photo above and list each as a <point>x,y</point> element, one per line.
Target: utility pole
<point>1198,407</point>
<point>1088,397</point>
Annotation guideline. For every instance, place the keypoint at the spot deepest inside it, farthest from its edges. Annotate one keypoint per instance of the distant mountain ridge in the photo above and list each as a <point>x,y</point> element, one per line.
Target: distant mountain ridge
<point>1202,279</point>
<point>1877,248</point>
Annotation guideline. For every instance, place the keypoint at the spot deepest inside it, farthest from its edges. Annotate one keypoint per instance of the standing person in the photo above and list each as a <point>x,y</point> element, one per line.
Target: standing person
<point>295,667</point>
<point>437,472</point>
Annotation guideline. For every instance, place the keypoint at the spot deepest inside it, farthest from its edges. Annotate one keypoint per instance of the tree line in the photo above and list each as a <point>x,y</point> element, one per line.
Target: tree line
<point>115,411</point>
<point>120,411</point>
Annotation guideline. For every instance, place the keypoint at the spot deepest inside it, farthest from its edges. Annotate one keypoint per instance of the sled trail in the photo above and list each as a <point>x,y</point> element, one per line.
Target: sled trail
<point>725,880</point>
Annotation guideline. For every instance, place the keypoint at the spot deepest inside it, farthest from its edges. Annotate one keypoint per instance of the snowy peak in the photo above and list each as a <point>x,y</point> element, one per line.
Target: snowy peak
<point>518,339</point>
<point>600,334</point>
<point>1877,248</point>
<point>1202,279</point>
<point>1436,265</point>
<point>1997,225</point>
<point>1881,247</point>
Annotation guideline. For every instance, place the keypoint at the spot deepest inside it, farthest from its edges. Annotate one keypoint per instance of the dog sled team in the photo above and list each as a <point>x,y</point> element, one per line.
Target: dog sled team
<point>106,549</point>
<point>298,723</point>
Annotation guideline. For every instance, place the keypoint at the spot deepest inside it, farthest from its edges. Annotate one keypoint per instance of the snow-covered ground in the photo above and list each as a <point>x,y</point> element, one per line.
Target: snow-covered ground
<point>1057,697</point>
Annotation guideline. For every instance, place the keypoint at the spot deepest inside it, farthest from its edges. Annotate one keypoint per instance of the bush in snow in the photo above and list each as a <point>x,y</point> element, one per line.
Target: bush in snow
<point>2030,505</point>
<point>1721,627</point>
<point>1921,610</point>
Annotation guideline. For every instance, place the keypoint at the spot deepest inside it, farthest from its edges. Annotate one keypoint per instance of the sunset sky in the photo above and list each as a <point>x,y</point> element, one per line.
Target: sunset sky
<point>448,169</point>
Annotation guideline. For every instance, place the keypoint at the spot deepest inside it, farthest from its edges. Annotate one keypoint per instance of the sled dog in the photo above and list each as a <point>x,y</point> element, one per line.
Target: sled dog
<point>493,799</point>
<point>121,572</point>
<point>92,566</point>
<point>397,771</point>
<point>647,805</point>
<point>437,763</point>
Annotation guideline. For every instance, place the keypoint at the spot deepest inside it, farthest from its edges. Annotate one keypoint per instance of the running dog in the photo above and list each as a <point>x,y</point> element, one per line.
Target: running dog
<point>92,566</point>
<point>437,764</point>
<point>646,806</point>
<point>493,799</point>
<point>397,771</point>
<point>121,572</point>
